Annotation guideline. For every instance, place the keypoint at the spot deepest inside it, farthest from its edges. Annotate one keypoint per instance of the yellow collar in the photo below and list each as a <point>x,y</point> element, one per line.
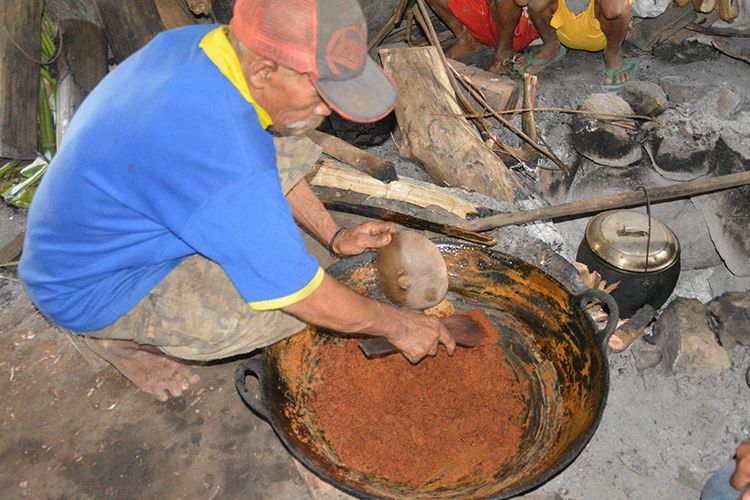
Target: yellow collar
<point>217,47</point>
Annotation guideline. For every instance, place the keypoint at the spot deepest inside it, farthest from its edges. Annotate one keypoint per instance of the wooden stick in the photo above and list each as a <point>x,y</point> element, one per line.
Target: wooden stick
<point>619,200</point>
<point>406,190</point>
<point>398,14</point>
<point>409,221</point>
<point>361,160</point>
<point>632,329</point>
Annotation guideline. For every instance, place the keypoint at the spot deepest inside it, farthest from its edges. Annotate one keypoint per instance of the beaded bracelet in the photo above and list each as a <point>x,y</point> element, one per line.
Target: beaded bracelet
<point>333,240</point>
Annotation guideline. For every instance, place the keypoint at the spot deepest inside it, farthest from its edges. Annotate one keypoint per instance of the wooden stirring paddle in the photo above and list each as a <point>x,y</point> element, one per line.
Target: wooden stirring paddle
<point>463,327</point>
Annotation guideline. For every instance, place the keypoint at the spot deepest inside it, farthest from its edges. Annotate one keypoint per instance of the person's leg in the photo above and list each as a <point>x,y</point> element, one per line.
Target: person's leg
<point>195,313</point>
<point>465,43</point>
<point>614,18</point>
<point>540,13</point>
<point>717,487</point>
<point>506,14</point>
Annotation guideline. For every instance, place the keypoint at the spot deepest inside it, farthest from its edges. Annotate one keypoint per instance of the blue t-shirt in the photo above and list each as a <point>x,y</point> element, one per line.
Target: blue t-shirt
<point>164,159</point>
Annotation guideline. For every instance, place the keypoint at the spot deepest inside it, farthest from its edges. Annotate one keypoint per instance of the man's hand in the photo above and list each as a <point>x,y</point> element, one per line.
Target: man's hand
<point>369,235</point>
<point>419,335</point>
<point>741,478</point>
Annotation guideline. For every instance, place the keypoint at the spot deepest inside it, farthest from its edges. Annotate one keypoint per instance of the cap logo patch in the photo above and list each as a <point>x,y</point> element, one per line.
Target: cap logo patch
<point>346,49</point>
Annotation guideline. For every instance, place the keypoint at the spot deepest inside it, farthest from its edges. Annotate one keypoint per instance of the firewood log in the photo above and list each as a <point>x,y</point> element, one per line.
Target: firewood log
<point>129,25</point>
<point>20,49</point>
<point>82,64</point>
<point>435,134</point>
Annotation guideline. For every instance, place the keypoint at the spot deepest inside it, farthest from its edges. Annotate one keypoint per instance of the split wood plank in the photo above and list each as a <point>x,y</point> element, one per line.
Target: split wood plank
<point>619,200</point>
<point>499,91</point>
<point>361,160</point>
<point>82,65</point>
<point>20,49</point>
<point>331,175</point>
<point>448,147</point>
<point>129,25</point>
<point>649,32</point>
<point>174,13</point>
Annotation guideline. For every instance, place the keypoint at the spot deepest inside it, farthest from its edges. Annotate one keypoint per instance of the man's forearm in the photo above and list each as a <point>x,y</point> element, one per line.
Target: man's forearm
<point>337,307</point>
<point>310,212</point>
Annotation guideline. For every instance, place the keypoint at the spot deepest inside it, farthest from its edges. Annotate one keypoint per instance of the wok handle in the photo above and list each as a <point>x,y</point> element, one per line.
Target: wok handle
<point>593,294</point>
<point>252,366</point>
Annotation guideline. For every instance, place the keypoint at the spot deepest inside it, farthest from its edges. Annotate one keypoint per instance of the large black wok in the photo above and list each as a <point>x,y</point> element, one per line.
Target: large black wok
<point>541,323</point>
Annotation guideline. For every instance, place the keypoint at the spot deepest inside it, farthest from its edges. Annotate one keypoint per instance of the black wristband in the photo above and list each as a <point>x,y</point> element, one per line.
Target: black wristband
<point>333,240</point>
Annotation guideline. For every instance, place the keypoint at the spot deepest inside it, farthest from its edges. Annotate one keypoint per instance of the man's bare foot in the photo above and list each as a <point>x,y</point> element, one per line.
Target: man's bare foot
<point>466,44</point>
<point>502,62</point>
<point>151,372</point>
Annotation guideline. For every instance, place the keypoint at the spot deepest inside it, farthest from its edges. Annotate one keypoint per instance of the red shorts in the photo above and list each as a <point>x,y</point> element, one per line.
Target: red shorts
<point>476,16</point>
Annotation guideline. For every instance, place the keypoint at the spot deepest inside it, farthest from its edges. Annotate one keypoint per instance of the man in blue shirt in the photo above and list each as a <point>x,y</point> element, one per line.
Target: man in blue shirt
<point>164,230</point>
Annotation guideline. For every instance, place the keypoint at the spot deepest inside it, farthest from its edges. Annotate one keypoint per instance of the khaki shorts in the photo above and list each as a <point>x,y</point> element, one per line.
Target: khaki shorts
<point>195,312</point>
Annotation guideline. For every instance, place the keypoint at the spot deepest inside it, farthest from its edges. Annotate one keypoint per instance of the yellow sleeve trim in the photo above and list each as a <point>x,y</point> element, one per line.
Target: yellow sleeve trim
<point>306,291</point>
<point>217,47</point>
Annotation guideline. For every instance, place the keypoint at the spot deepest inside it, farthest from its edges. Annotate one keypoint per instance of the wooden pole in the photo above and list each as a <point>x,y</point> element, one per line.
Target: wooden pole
<point>361,160</point>
<point>20,54</point>
<point>82,64</point>
<point>619,200</point>
<point>128,25</point>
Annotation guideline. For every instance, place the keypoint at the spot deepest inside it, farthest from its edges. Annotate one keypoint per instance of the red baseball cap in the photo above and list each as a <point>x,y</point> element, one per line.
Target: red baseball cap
<point>326,39</point>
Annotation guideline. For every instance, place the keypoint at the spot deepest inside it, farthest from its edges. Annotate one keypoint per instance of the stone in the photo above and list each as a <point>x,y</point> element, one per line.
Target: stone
<point>645,355</point>
<point>727,213</point>
<point>646,98</point>
<point>728,103</point>
<point>679,154</point>
<point>697,250</point>
<point>686,340</point>
<point>553,182</point>
<point>722,281</point>
<point>602,142</point>
<point>731,313</point>
<point>681,91</point>
<point>12,230</point>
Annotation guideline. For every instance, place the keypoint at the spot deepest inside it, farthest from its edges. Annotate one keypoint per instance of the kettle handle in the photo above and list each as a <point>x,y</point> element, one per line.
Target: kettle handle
<point>252,366</point>
<point>594,294</point>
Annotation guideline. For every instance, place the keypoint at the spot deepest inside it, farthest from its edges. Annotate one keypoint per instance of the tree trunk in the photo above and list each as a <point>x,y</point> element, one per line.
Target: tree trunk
<point>129,25</point>
<point>20,49</point>
<point>82,64</point>
<point>435,134</point>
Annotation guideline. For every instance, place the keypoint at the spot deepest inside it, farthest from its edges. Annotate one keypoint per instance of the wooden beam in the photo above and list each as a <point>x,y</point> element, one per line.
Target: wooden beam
<point>20,52</point>
<point>129,25</point>
<point>420,194</point>
<point>361,160</point>
<point>435,134</point>
<point>82,64</point>
<point>619,200</point>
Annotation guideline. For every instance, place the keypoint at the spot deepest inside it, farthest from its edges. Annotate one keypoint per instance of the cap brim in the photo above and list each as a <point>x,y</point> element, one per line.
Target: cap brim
<point>366,98</point>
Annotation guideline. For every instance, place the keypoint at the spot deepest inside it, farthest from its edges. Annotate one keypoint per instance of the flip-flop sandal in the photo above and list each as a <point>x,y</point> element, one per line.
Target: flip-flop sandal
<point>540,64</point>
<point>631,64</point>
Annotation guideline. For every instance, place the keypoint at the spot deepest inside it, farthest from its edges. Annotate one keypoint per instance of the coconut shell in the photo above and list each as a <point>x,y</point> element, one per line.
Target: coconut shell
<point>412,271</point>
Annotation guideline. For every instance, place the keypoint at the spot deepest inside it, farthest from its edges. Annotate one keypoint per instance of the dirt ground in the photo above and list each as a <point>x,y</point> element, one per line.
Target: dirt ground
<point>68,431</point>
